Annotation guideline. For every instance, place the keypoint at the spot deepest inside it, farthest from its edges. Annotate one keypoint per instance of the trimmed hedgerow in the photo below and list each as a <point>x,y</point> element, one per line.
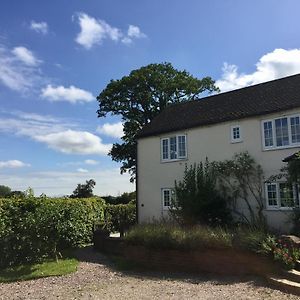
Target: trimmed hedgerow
<point>121,216</point>
<point>33,229</point>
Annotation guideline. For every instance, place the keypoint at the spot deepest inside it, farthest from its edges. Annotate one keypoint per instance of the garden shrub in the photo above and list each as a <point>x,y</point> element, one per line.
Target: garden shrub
<point>32,229</point>
<point>198,201</point>
<point>120,216</point>
<point>241,179</point>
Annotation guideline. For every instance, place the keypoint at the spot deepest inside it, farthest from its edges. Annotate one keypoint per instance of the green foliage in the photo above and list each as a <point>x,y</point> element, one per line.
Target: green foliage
<point>121,216</point>
<point>168,236</point>
<point>241,178</point>
<point>33,229</point>
<point>84,190</point>
<point>250,238</point>
<point>296,221</point>
<point>33,271</point>
<point>198,199</point>
<point>4,191</point>
<point>140,96</point>
<point>122,199</point>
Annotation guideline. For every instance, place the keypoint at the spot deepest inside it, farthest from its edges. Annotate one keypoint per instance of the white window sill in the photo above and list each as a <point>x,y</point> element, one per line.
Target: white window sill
<point>173,160</point>
<point>281,148</point>
<point>290,209</point>
<point>236,141</point>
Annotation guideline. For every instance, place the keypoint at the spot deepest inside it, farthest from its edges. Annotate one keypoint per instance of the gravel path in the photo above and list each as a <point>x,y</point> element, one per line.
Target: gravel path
<point>96,278</point>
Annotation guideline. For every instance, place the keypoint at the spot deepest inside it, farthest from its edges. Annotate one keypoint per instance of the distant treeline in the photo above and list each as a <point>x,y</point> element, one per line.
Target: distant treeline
<point>122,199</point>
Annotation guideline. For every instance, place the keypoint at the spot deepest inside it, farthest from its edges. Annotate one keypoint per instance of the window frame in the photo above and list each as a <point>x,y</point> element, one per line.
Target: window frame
<point>163,190</point>
<point>236,140</point>
<point>274,139</point>
<point>296,196</point>
<point>177,158</point>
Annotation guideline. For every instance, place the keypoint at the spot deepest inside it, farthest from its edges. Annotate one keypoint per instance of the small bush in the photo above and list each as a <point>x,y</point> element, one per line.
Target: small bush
<point>33,229</point>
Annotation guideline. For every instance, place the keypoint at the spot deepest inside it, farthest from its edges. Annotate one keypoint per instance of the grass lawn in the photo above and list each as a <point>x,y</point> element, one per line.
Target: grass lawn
<point>33,271</point>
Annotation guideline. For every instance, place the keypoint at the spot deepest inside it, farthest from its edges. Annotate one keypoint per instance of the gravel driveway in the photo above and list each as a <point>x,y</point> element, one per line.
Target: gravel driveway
<point>96,278</point>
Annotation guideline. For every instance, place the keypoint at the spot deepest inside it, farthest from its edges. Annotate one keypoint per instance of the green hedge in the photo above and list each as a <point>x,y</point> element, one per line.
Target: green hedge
<point>36,228</point>
<point>121,216</point>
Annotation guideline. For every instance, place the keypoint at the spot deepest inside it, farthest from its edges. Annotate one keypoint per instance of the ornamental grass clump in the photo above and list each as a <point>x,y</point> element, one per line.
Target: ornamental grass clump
<point>167,236</point>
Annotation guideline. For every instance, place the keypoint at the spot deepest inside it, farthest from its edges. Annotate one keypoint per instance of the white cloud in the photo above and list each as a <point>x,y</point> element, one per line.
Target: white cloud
<point>13,164</point>
<point>31,125</point>
<point>126,40</point>
<point>81,170</point>
<point>25,56</point>
<point>40,27</point>
<point>113,130</point>
<point>135,32</point>
<point>75,142</point>
<point>276,64</point>
<point>95,31</point>
<point>91,162</point>
<point>55,133</point>
<point>71,94</point>
<point>53,183</point>
<point>18,73</point>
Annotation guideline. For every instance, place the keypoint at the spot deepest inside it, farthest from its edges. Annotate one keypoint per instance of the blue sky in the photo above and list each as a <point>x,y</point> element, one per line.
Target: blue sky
<point>56,56</point>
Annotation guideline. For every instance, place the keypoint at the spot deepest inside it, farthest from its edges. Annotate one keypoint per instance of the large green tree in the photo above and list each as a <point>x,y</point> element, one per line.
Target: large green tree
<point>84,190</point>
<point>4,191</point>
<point>140,96</point>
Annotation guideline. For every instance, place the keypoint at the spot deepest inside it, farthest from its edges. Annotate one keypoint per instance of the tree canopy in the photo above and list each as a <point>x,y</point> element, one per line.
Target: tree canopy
<point>140,96</point>
<point>84,190</point>
<point>5,191</point>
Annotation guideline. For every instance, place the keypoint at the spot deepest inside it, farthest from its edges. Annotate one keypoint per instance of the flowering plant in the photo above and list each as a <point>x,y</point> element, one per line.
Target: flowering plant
<point>282,251</point>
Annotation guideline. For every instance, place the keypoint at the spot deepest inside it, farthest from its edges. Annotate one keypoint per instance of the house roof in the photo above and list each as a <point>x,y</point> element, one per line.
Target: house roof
<point>264,98</point>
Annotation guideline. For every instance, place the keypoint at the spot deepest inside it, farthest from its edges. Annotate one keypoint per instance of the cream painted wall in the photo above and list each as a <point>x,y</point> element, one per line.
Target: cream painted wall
<point>213,142</point>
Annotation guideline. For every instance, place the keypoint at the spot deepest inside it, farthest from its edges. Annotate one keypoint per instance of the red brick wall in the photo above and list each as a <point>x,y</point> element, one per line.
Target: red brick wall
<point>220,261</point>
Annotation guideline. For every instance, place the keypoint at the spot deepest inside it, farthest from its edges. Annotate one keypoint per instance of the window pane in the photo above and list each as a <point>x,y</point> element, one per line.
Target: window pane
<point>282,134</point>
<point>236,133</point>
<point>181,146</point>
<point>286,195</point>
<point>295,129</point>
<point>173,148</point>
<point>167,197</point>
<point>268,134</point>
<point>272,194</point>
<point>165,148</point>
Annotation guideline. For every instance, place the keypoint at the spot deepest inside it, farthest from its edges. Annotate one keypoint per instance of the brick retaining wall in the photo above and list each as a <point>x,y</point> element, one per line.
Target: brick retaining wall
<point>219,261</point>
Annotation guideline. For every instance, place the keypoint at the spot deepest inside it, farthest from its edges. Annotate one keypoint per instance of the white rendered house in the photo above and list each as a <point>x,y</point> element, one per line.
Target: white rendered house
<point>263,119</point>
